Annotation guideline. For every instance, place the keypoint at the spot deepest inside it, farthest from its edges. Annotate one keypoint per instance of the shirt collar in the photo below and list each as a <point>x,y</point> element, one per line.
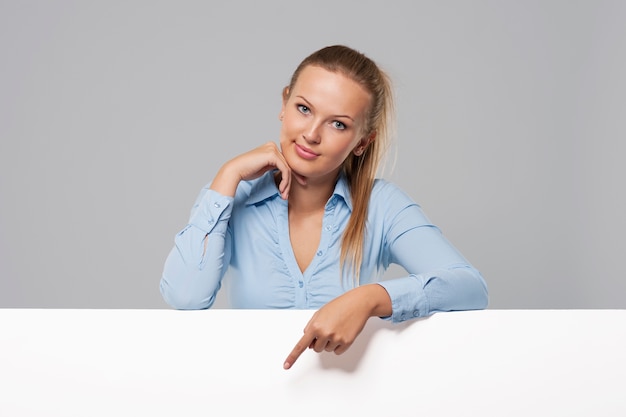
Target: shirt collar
<point>265,189</point>
<point>343,190</point>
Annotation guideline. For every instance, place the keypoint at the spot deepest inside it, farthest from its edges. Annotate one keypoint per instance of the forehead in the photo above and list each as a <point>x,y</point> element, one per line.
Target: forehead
<point>331,91</point>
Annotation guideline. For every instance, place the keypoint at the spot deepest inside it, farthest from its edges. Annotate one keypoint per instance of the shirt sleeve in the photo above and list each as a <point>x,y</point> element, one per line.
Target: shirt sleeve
<point>440,278</point>
<point>192,275</point>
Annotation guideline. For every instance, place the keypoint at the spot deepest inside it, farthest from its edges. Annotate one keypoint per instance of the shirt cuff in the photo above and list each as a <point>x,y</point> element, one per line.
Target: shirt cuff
<point>212,212</point>
<point>408,298</point>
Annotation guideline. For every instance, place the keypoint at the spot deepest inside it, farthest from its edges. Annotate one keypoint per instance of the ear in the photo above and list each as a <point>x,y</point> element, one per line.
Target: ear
<point>364,143</point>
<point>285,98</point>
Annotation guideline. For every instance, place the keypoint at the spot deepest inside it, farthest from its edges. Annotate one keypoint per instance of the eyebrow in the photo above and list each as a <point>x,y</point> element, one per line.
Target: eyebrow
<point>312,106</point>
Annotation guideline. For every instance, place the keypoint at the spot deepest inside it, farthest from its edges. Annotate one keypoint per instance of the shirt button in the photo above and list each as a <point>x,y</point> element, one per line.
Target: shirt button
<point>416,313</point>
<point>329,228</point>
<point>300,284</point>
<point>217,205</point>
<point>210,221</point>
<point>319,253</point>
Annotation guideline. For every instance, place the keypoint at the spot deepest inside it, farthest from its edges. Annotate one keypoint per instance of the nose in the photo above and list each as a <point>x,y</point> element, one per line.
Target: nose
<point>311,134</point>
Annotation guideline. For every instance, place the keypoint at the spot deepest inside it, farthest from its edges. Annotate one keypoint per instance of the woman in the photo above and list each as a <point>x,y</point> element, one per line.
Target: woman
<point>307,225</point>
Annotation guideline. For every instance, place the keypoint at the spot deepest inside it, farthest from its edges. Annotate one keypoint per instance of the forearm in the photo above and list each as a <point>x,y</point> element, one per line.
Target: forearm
<point>196,264</point>
<point>446,289</point>
<point>192,272</point>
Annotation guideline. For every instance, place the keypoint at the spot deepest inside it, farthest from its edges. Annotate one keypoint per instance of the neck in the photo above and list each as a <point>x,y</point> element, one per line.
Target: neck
<point>310,197</point>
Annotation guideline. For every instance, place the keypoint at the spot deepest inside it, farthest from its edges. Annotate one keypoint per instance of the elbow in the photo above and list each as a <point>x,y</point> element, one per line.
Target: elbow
<point>474,291</point>
<point>483,301</point>
<point>183,300</point>
<point>482,293</point>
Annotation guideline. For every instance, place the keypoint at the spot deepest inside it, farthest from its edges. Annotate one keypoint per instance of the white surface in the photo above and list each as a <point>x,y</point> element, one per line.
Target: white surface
<point>229,362</point>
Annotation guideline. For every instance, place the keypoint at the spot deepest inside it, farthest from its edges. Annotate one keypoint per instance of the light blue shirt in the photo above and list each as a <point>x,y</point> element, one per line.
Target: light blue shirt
<point>248,235</point>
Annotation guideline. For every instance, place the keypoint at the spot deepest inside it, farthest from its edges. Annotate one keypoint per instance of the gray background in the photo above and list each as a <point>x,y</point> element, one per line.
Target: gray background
<point>113,115</point>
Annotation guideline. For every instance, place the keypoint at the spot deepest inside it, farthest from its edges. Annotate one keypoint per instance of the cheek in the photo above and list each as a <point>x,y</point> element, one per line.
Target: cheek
<point>340,146</point>
<point>290,126</point>
<point>285,131</point>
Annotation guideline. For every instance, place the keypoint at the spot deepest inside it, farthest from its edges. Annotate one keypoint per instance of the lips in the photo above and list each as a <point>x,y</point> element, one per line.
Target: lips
<point>305,153</point>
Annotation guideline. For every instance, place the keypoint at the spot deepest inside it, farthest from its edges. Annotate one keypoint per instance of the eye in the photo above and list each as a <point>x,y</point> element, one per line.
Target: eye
<point>338,125</point>
<point>303,109</point>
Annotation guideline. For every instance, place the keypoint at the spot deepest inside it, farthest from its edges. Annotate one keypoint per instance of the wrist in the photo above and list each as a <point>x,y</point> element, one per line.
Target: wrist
<point>225,183</point>
<point>377,300</point>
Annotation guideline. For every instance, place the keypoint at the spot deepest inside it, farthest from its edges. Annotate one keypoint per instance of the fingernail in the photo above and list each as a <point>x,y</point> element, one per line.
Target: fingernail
<point>286,365</point>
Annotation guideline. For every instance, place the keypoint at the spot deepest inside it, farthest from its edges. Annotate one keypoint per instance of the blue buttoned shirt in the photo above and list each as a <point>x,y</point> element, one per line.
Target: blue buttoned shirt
<point>248,237</point>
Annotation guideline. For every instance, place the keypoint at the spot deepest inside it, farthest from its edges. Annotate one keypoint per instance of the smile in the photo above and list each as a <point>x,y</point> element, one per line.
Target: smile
<point>305,153</point>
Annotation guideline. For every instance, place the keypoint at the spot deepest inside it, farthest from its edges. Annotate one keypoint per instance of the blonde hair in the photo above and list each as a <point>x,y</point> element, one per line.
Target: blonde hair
<point>360,170</point>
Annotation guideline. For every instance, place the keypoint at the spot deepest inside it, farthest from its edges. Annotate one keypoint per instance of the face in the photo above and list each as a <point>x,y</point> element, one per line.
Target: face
<point>323,122</point>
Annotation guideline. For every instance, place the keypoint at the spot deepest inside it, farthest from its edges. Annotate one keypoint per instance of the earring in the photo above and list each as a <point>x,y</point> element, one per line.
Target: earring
<point>281,117</point>
<point>358,151</point>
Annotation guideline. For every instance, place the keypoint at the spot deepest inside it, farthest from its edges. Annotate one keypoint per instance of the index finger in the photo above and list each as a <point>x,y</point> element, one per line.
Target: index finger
<point>304,342</point>
<point>285,174</point>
